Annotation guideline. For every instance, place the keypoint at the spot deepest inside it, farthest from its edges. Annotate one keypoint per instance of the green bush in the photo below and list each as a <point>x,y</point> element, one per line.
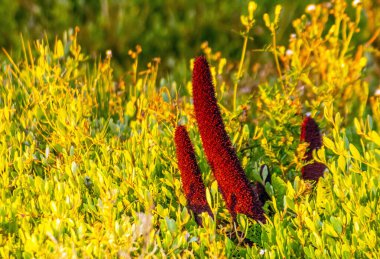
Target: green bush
<point>87,159</point>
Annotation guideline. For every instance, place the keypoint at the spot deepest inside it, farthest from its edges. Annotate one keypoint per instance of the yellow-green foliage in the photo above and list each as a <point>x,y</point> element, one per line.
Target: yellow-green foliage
<point>88,166</point>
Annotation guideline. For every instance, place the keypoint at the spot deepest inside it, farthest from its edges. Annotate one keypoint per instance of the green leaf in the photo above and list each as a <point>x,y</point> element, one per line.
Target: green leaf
<point>288,202</point>
<point>328,143</point>
<point>336,224</point>
<point>357,126</point>
<point>310,224</point>
<point>208,197</point>
<point>171,224</point>
<point>330,230</point>
<point>342,163</point>
<point>354,152</point>
<point>375,137</point>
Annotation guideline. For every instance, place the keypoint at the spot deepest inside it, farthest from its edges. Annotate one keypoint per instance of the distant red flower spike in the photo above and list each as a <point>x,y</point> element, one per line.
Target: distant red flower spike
<point>313,171</point>
<point>233,183</point>
<point>310,134</point>
<point>192,183</point>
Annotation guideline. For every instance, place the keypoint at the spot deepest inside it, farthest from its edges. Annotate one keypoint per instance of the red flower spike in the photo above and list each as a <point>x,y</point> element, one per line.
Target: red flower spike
<point>233,183</point>
<point>310,134</point>
<point>192,184</point>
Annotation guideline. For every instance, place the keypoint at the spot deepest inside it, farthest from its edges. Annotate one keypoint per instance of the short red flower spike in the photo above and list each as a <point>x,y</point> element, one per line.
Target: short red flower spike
<point>233,183</point>
<point>310,134</point>
<point>192,183</point>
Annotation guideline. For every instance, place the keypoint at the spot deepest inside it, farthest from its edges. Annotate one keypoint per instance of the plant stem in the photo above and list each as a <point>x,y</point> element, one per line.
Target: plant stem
<point>276,60</point>
<point>240,71</point>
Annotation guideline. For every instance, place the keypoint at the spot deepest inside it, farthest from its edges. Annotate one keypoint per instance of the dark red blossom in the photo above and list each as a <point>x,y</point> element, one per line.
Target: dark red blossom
<point>192,183</point>
<point>233,183</point>
<point>311,134</point>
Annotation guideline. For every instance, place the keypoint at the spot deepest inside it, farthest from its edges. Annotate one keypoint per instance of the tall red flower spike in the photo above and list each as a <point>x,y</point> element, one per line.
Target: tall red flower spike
<point>232,181</point>
<point>192,184</point>
<point>310,134</point>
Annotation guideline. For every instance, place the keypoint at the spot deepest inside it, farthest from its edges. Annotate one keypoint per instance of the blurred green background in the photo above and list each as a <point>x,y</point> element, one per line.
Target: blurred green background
<point>170,29</point>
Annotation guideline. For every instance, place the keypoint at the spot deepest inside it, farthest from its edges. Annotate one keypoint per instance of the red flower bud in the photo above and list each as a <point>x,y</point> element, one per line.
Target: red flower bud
<point>232,181</point>
<point>310,134</point>
<point>192,183</point>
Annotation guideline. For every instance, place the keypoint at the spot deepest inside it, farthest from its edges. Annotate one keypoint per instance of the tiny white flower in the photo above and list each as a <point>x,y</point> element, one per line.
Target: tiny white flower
<point>293,36</point>
<point>377,92</point>
<point>47,152</point>
<point>52,238</point>
<point>289,52</point>
<point>109,53</point>
<point>74,167</point>
<point>356,3</point>
<point>262,251</point>
<point>308,114</point>
<point>310,8</point>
